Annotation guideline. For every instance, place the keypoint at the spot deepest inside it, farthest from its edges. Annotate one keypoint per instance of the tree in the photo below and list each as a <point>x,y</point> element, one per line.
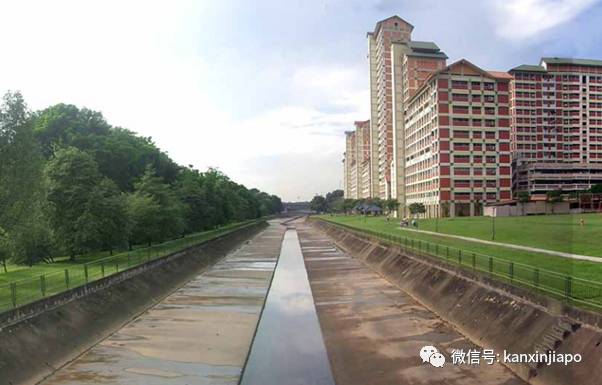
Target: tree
<point>377,202</point>
<point>554,197</point>
<point>168,216</point>
<point>338,206</point>
<point>349,204</point>
<point>333,196</point>
<point>6,248</point>
<point>20,162</point>
<point>391,205</point>
<point>65,125</point>
<point>417,208</point>
<point>120,154</point>
<point>72,179</point>
<point>70,183</point>
<point>33,242</point>
<point>318,204</point>
<point>108,209</point>
<point>596,189</point>
<point>142,211</point>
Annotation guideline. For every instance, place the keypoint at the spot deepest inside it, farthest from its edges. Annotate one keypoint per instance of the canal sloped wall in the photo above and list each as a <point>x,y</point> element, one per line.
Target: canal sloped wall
<point>39,338</point>
<point>490,313</point>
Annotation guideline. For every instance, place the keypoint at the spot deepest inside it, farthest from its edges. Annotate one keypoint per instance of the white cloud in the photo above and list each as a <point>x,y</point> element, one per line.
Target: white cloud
<point>237,85</point>
<point>147,68</point>
<point>519,19</point>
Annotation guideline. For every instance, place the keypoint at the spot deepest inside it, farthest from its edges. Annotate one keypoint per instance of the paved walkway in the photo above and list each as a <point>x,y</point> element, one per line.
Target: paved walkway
<point>513,246</point>
<point>199,335</point>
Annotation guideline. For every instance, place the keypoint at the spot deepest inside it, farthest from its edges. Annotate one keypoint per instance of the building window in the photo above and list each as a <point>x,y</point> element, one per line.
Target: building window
<point>460,97</point>
<point>461,84</point>
<point>460,122</point>
<point>460,109</point>
<point>461,171</point>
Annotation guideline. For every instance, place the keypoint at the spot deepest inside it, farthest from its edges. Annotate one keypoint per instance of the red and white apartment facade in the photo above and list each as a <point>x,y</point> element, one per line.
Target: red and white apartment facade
<point>457,141</point>
<point>356,162</point>
<point>457,138</point>
<point>556,134</point>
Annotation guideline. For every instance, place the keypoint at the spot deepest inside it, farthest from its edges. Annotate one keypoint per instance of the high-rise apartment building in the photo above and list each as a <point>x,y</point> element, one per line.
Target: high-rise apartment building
<point>363,154</point>
<point>381,98</point>
<point>398,67</point>
<point>458,137</point>
<point>350,166</point>
<point>556,132</point>
<point>413,63</point>
<point>457,141</point>
<point>356,161</point>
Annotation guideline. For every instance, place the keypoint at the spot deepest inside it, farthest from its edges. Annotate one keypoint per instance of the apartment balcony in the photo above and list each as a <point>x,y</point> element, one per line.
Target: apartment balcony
<point>560,186</point>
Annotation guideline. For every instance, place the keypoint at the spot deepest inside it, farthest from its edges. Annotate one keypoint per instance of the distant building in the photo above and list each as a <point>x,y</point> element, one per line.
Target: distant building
<point>362,142</point>
<point>357,162</point>
<point>350,166</point>
<point>556,134</point>
<point>457,141</point>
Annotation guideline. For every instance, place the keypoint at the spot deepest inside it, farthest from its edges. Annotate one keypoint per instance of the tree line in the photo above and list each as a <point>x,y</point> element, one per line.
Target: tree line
<point>70,184</point>
<point>334,202</point>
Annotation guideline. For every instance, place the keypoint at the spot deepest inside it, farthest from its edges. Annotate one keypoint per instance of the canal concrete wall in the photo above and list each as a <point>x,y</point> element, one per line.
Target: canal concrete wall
<point>492,314</point>
<point>43,336</point>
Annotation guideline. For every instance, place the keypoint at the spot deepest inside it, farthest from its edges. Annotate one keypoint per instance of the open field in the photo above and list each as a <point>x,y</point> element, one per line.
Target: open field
<point>539,231</point>
<point>552,232</point>
<point>23,284</point>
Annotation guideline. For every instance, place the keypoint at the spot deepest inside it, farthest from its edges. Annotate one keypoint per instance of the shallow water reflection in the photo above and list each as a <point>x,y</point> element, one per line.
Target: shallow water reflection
<point>288,348</point>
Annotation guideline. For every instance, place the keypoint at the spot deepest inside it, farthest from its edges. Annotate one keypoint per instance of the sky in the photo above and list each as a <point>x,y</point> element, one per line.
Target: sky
<point>263,90</point>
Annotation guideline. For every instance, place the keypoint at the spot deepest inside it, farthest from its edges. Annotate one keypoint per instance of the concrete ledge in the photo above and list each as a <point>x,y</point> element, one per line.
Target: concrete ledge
<point>490,313</point>
<point>39,338</point>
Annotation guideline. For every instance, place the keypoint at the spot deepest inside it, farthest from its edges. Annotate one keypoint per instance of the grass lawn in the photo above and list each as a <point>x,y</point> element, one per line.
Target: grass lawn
<point>549,232</point>
<point>552,232</point>
<point>30,286</point>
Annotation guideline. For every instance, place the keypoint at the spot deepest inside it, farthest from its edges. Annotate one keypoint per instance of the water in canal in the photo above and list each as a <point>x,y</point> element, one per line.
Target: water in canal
<point>288,347</point>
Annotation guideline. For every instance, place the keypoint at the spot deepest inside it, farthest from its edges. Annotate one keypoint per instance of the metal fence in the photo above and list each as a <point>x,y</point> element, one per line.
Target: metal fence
<point>21,292</point>
<point>573,290</point>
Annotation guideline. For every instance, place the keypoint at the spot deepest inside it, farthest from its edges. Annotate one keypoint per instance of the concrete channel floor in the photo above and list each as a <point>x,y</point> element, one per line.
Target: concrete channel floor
<point>374,331</point>
<point>200,334</point>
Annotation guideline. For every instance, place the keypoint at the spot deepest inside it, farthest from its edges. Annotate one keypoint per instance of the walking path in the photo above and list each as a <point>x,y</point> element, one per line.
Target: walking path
<point>513,246</point>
